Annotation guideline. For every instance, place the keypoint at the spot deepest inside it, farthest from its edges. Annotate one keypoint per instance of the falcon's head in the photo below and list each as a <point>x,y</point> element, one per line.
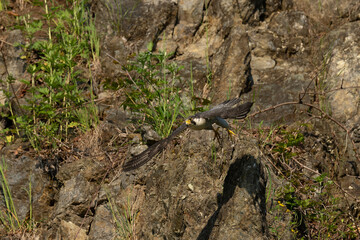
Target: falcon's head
<point>196,121</point>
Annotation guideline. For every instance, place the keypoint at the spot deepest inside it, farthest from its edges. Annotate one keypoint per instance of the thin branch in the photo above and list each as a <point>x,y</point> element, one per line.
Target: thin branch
<point>304,166</point>
<point>272,108</point>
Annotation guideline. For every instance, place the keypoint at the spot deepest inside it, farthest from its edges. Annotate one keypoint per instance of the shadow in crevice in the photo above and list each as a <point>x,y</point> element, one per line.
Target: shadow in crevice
<point>246,173</point>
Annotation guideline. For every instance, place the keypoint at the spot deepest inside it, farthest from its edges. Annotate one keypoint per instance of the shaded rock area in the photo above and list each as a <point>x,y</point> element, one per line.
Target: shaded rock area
<point>270,52</point>
<point>192,194</point>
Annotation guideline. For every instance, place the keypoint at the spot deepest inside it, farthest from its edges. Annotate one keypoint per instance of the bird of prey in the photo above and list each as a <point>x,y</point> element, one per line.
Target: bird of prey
<point>230,109</point>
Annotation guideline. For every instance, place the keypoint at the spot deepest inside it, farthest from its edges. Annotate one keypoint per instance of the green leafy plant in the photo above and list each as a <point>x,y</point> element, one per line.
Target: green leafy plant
<point>311,205</point>
<point>314,209</point>
<point>8,110</point>
<point>87,117</point>
<point>55,104</point>
<point>154,91</point>
<point>290,139</point>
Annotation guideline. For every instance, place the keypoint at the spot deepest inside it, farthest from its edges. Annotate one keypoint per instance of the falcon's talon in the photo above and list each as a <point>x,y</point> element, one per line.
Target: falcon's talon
<point>231,133</point>
<point>217,135</point>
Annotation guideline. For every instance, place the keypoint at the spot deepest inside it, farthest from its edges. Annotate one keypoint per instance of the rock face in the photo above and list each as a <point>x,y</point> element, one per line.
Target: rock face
<point>196,193</point>
<point>269,52</point>
<point>342,49</point>
<point>22,171</point>
<point>269,47</point>
<point>13,64</point>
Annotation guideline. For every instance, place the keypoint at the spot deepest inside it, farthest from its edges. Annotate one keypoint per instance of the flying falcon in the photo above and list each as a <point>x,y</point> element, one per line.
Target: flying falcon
<point>230,109</point>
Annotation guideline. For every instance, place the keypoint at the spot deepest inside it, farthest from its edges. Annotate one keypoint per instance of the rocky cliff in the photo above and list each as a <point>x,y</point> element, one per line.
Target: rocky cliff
<point>294,158</point>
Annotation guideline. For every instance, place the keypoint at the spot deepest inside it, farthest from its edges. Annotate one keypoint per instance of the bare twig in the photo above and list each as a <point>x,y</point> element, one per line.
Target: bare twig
<point>272,108</point>
<point>3,41</point>
<point>304,166</point>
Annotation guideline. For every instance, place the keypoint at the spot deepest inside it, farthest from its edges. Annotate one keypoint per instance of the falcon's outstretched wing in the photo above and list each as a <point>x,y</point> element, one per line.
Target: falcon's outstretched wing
<point>227,103</point>
<point>228,109</point>
<point>148,154</point>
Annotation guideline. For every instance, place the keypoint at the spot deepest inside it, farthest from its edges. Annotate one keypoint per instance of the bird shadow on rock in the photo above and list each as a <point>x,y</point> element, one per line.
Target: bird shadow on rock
<point>246,172</point>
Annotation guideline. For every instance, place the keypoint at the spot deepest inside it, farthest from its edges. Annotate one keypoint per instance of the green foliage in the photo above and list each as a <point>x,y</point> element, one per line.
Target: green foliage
<point>314,209</point>
<point>154,91</point>
<point>8,134</point>
<point>57,104</point>
<point>3,4</point>
<point>87,117</point>
<point>290,139</point>
<point>313,205</point>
